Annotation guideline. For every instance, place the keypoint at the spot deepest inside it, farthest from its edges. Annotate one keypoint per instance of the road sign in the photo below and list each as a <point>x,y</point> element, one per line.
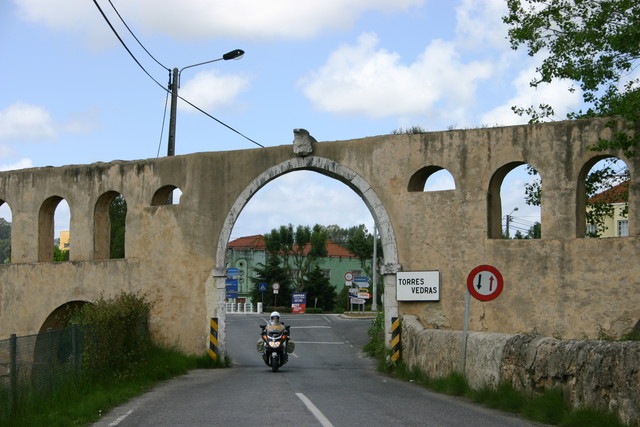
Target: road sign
<point>485,283</point>
<point>359,279</point>
<point>418,286</point>
<point>357,301</point>
<point>275,287</point>
<point>232,272</point>
<point>262,287</point>
<point>348,276</point>
<point>364,295</point>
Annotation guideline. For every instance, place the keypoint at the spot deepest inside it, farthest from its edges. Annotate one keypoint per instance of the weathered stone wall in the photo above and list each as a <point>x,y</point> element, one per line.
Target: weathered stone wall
<point>562,285</point>
<point>597,374</point>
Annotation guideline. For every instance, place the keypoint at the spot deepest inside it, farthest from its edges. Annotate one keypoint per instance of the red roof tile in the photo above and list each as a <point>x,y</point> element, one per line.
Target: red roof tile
<point>258,243</point>
<point>615,194</point>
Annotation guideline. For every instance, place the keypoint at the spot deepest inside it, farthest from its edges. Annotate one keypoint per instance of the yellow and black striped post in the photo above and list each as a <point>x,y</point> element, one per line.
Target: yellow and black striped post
<point>396,344</point>
<point>213,339</point>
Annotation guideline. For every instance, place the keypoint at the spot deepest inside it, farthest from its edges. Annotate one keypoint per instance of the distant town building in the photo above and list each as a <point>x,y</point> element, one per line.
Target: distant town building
<point>246,253</point>
<point>64,240</point>
<point>616,225</point>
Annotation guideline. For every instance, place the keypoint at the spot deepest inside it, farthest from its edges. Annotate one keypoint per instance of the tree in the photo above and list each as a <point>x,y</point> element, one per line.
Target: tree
<point>592,42</point>
<point>361,244</point>
<point>272,272</point>
<point>319,291</point>
<point>5,241</point>
<point>117,218</point>
<point>297,251</point>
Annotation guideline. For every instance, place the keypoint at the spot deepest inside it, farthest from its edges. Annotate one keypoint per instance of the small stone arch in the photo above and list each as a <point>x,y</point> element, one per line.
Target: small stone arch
<point>419,179</point>
<point>165,196</point>
<point>494,200</point>
<point>46,228</point>
<point>581,192</point>
<point>102,225</point>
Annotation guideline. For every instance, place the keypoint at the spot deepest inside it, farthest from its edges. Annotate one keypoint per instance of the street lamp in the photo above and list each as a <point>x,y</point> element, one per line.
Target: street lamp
<point>509,220</point>
<point>174,84</point>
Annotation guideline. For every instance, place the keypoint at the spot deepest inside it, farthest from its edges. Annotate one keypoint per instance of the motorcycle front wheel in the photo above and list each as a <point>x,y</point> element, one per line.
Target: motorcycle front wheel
<point>275,363</point>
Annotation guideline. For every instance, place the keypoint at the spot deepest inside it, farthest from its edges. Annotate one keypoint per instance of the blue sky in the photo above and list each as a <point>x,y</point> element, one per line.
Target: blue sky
<point>341,69</point>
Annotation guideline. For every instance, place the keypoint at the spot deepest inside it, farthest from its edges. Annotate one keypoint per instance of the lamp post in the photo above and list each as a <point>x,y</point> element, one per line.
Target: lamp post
<point>508,221</point>
<point>174,84</point>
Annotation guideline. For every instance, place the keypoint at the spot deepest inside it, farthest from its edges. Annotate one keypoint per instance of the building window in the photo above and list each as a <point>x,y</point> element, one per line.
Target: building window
<point>326,273</point>
<point>623,228</point>
<point>591,230</point>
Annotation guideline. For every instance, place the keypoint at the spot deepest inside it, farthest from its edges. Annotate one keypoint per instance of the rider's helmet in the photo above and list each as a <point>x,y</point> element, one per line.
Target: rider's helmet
<point>275,316</point>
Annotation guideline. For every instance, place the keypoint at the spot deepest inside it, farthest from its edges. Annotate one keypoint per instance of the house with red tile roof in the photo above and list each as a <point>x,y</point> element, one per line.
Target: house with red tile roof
<point>617,224</point>
<point>245,253</point>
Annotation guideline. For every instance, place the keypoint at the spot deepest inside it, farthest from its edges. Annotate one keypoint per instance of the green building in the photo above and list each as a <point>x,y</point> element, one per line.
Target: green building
<point>245,253</point>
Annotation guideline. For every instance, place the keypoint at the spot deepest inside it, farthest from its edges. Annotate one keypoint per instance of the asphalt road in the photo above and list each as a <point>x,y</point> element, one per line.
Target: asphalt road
<point>327,382</point>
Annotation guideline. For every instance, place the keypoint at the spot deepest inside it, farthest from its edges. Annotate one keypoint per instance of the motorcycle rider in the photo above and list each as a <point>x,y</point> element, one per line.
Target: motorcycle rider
<point>275,319</point>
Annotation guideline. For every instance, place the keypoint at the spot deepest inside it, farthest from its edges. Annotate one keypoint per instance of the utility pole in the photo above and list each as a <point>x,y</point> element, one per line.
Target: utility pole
<point>374,267</point>
<point>173,84</point>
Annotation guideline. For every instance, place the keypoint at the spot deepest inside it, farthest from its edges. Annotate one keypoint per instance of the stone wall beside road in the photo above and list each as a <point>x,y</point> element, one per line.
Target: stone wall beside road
<point>599,374</point>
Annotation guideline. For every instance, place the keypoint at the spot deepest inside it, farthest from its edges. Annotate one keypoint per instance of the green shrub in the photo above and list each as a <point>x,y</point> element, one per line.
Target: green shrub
<point>117,337</point>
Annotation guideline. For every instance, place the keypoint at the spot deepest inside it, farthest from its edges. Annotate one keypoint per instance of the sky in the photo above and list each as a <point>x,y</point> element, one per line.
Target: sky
<point>342,69</point>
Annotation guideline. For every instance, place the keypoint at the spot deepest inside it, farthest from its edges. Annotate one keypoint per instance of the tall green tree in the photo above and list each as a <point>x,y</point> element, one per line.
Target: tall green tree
<point>297,250</point>
<point>591,42</point>
<point>361,244</point>
<point>272,272</point>
<point>320,293</point>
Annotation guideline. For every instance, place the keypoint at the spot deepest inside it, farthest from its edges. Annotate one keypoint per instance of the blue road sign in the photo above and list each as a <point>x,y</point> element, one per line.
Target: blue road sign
<point>361,279</point>
<point>262,287</point>
<point>232,272</point>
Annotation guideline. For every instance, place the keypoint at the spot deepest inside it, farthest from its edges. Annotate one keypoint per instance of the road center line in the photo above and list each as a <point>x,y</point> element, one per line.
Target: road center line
<point>120,418</point>
<point>315,411</point>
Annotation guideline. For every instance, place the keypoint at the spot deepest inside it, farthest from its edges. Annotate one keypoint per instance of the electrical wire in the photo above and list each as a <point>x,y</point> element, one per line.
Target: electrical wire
<point>164,118</point>
<point>134,36</point>
<point>158,83</point>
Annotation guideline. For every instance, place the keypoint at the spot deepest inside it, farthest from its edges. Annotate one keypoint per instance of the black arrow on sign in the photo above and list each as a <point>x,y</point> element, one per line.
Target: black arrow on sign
<point>479,285</point>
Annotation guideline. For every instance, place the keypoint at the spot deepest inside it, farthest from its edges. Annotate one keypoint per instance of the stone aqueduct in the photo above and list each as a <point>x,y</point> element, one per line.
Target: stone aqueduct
<point>560,285</point>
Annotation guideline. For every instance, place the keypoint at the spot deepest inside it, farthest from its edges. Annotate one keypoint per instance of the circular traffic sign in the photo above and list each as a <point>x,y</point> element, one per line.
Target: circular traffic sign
<point>275,286</point>
<point>485,283</point>
<point>348,276</point>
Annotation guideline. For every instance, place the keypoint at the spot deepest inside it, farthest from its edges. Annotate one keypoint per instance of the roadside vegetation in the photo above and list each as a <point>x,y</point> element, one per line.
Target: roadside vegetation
<point>132,365</point>
<point>547,407</point>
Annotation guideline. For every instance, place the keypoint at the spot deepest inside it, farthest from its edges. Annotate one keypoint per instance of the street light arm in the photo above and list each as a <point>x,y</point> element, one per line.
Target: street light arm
<point>234,54</point>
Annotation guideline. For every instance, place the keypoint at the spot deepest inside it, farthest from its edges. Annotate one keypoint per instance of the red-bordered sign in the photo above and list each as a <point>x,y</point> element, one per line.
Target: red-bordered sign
<point>485,283</point>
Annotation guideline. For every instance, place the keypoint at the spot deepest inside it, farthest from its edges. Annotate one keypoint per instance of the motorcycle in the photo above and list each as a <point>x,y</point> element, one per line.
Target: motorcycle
<point>275,345</point>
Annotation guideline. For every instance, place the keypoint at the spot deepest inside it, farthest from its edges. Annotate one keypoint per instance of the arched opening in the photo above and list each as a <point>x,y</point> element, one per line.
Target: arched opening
<point>602,207</point>
<point>53,219</point>
<point>333,170</point>
<point>166,195</point>
<point>514,199</point>
<point>431,178</point>
<point>308,205</point>
<point>5,233</point>
<point>110,226</point>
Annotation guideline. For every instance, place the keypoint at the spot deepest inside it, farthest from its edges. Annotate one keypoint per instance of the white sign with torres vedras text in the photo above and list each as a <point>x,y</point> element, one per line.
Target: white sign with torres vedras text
<point>418,286</point>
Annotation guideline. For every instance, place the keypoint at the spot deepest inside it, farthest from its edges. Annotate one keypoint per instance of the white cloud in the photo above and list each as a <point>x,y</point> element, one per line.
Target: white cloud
<point>21,164</point>
<point>197,19</point>
<point>479,24</point>
<point>211,89</point>
<point>26,123</point>
<point>302,198</point>
<point>366,80</point>
<point>556,94</point>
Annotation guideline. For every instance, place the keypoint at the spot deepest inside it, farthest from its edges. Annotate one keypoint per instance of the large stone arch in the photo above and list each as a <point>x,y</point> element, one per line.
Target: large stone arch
<point>331,169</point>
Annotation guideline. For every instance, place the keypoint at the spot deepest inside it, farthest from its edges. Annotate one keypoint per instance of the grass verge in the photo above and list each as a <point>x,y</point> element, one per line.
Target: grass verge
<point>81,402</point>
<point>547,407</point>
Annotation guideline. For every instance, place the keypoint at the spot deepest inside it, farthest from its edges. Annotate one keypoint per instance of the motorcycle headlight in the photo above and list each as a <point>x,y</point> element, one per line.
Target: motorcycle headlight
<point>274,344</point>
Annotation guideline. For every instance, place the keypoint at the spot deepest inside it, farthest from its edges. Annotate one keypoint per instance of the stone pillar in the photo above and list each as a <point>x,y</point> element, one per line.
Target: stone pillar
<point>388,272</point>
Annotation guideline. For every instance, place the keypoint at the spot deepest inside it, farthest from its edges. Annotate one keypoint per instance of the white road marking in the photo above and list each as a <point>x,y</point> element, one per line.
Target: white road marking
<point>319,342</point>
<point>120,418</point>
<point>312,327</point>
<point>315,411</point>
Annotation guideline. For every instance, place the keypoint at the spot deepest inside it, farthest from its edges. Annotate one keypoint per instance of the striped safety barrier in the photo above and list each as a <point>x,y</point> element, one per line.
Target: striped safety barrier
<point>213,339</point>
<point>396,344</point>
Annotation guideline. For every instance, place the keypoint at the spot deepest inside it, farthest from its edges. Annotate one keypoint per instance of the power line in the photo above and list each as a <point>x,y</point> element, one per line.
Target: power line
<point>134,36</point>
<point>158,83</point>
